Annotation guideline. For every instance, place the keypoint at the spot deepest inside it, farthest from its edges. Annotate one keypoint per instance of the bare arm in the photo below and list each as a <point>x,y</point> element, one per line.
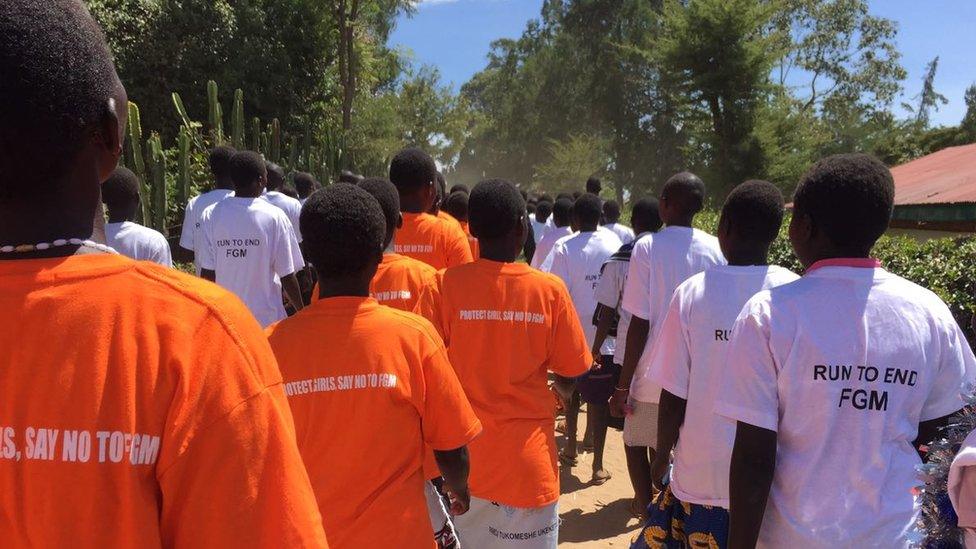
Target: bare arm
<point>636,340</point>
<point>454,468</point>
<point>293,290</point>
<point>750,478</point>
<point>669,420</point>
<point>605,316</point>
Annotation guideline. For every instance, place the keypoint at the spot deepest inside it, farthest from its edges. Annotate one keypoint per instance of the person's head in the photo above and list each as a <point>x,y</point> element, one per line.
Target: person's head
<point>543,211</point>
<point>567,196</point>
<point>562,212</point>
<point>62,119</point>
<point>750,222</point>
<point>543,197</point>
<point>414,175</point>
<point>249,173</point>
<point>441,195</point>
<point>594,185</point>
<point>386,195</point>
<point>496,214</point>
<point>682,197</point>
<point>646,217</point>
<point>587,212</point>
<point>457,206</point>
<point>460,188</point>
<point>220,166</point>
<point>611,211</point>
<point>120,193</point>
<point>346,176</point>
<point>289,191</point>
<point>530,207</point>
<point>344,230</point>
<point>276,177</point>
<point>305,184</point>
<point>576,195</point>
<point>841,207</point>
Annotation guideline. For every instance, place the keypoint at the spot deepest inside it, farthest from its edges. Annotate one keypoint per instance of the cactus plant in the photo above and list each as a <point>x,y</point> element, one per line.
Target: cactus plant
<point>184,180</point>
<point>135,159</point>
<point>237,120</point>
<point>307,145</point>
<point>256,144</point>
<point>293,153</point>
<point>216,115</point>
<point>157,177</point>
<point>274,141</point>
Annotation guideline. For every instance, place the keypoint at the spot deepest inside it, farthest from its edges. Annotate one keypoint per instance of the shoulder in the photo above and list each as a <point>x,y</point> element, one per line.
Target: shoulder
<point>411,325</point>
<point>906,291</point>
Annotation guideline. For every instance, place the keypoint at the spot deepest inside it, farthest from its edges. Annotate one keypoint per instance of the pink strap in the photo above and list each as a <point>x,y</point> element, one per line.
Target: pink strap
<point>859,262</point>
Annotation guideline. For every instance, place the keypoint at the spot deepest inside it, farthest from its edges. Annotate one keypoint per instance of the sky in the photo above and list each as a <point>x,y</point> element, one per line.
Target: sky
<point>455,35</point>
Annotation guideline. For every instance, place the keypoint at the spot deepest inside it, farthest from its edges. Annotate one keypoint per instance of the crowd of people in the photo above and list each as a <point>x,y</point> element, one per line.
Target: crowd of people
<point>380,362</point>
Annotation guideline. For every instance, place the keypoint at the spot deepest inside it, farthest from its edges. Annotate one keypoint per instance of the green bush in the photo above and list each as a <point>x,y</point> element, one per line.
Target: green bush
<point>944,266</point>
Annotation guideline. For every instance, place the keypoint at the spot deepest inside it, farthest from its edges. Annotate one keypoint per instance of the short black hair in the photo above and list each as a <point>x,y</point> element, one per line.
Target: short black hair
<point>495,208</point>
<point>343,229</point>
<point>611,211</point>
<point>562,212</point>
<point>545,198</point>
<point>57,78</point>
<point>687,190</point>
<point>220,157</point>
<point>587,209</point>
<point>530,207</point>
<point>567,196</point>
<point>389,200</point>
<point>754,211</point>
<point>646,214</point>
<point>289,190</point>
<point>457,206</point>
<point>246,167</point>
<point>460,188</point>
<point>594,185</point>
<point>850,197</point>
<point>304,183</point>
<point>543,211</point>
<point>276,176</point>
<point>576,195</point>
<point>346,176</point>
<point>411,169</point>
<point>121,189</point>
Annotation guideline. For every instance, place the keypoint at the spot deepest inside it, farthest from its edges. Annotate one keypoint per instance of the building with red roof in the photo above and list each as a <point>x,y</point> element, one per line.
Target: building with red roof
<point>937,192</point>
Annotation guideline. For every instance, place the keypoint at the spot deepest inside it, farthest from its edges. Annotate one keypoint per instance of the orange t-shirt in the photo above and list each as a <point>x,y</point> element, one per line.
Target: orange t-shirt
<point>436,242</point>
<point>398,283</point>
<point>501,340</point>
<point>140,407</point>
<point>472,241</point>
<point>369,386</point>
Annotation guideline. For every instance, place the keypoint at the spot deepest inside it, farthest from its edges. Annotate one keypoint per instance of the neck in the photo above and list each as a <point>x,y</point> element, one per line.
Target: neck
<point>588,228</point>
<point>745,258</point>
<point>412,204</point>
<point>122,216</point>
<point>836,253</point>
<point>681,222</point>
<point>247,192</point>
<point>346,286</point>
<point>497,250</point>
<point>225,184</point>
<point>390,247</point>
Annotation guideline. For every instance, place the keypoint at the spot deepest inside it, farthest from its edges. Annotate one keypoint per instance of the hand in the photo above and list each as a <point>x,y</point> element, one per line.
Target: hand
<point>659,469</point>
<point>460,499</point>
<point>618,403</point>
<point>596,364</point>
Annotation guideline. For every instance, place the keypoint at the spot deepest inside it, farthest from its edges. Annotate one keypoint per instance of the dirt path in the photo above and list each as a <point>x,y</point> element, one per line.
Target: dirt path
<point>597,516</point>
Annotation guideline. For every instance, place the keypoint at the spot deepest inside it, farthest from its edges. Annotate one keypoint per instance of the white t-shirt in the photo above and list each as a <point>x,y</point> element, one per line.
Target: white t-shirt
<point>659,264</point>
<point>538,229</point>
<point>289,205</point>
<point>623,232</point>
<point>250,244</point>
<point>191,237</point>
<point>578,260</point>
<point>610,293</point>
<point>688,361</point>
<point>545,245</point>
<point>138,242</point>
<point>844,364</point>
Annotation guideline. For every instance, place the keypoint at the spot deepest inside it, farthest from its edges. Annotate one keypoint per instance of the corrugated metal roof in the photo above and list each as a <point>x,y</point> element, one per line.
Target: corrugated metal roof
<point>944,177</point>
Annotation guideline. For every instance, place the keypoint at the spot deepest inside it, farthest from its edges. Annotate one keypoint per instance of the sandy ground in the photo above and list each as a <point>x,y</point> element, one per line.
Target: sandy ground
<point>596,516</point>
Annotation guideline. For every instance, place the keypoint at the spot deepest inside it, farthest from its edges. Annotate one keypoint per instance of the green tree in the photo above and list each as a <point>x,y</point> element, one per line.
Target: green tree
<point>572,161</point>
<point>968,125</point>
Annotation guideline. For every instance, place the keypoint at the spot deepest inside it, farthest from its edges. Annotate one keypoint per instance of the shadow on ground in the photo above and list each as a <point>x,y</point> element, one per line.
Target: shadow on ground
<point>607,521</point>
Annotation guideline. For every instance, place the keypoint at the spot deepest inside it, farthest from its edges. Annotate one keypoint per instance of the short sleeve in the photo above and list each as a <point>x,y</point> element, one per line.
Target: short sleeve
<point>241,482</point>
<point>457,247</point>
<point>187,241</point>
<point>608,288</point>
<point>206,257</point>
<point>749,380</point>
<point>636,300</point>
<point>448,421</point>
<point>558,265</point>
<point>537,257</point>
<point>162,254</point>
<point>670,365</point>
<point>956,370</point>
<point>430,306</point>
<point>569,355</point>
<point>294,216</point>
<point>287,258</point>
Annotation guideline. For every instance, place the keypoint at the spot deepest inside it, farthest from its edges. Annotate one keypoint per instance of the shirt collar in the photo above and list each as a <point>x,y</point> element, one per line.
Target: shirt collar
<point>856,262</point>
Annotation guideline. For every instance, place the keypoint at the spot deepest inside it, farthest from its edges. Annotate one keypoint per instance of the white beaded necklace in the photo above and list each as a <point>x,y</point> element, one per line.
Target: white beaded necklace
<point>27,248</point>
